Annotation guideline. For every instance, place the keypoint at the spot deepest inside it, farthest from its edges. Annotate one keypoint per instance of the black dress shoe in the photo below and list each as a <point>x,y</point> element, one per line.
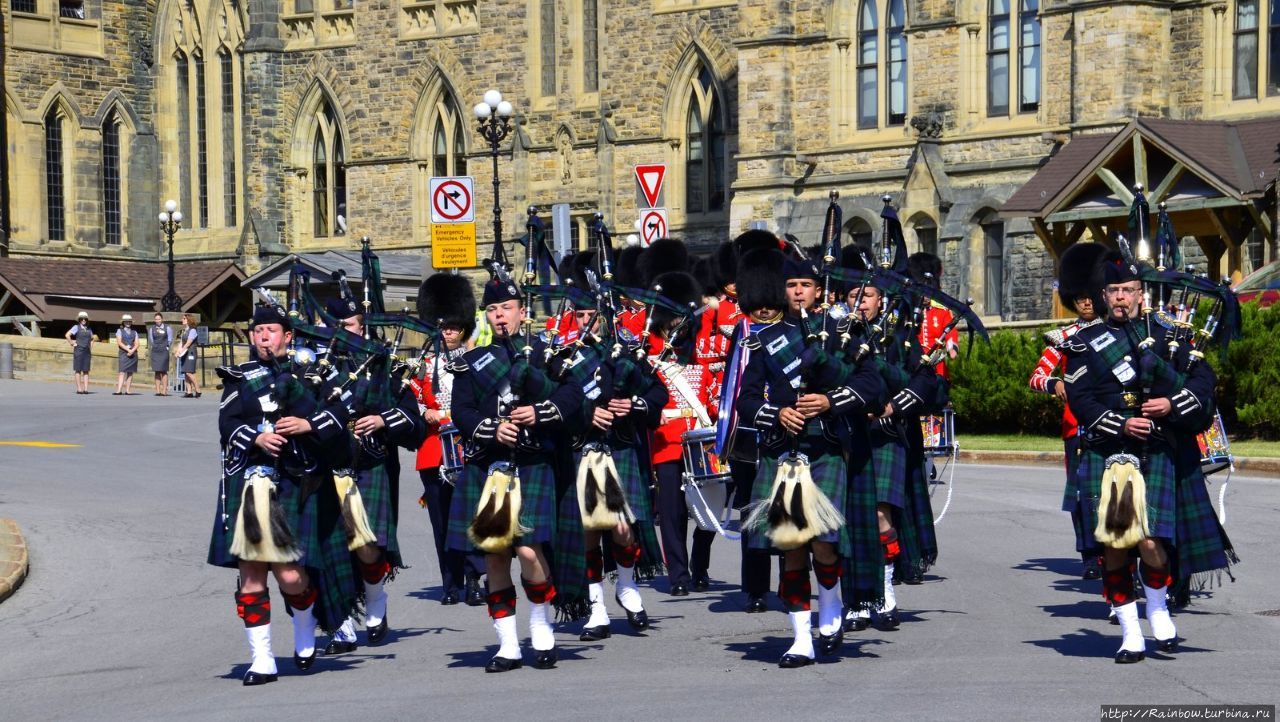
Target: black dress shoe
<point>450,597</point>
<point>337,646</point>
<point>1127,657</point>
<point>595,634</point>
<point>475,597</point>
<point>791,661</point>
<point>253,679</point>
<point>1168,646</point>
<point>1092,569</point>
<point>857,624</point>
<point>378,633</point>
<point>304,663</point>
<point>829,644</point>
<point>756,605</point>
<point>887,621</point>
<point>639,621</point>
<point>679,590</point>
<point>545,659</point>
<point>502,664</point>
<point>701,584</point>
<point>913,578</point>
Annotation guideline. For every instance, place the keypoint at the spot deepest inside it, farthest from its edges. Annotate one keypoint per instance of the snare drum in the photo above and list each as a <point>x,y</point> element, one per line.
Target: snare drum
<point>706,481</point>
<point>1215,449</point>
<point>451,454</point>
<point>939,433</point>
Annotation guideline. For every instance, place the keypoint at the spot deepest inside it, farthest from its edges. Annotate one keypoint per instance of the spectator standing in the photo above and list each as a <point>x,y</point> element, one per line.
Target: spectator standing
<point>81,339</point>
<point>186,354</point>
<point>127,340</point>
<point>160,338</point>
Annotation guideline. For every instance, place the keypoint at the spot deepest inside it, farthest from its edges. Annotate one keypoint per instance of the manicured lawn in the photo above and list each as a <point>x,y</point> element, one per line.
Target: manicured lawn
<point>1019,442</point>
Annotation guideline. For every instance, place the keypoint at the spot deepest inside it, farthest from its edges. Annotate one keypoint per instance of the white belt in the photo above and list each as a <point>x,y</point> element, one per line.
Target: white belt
<point>685,413</point>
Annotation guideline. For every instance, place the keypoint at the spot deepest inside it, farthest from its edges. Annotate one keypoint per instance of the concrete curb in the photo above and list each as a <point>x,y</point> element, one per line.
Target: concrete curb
<point>13,558</point>
<point>1255,466</point>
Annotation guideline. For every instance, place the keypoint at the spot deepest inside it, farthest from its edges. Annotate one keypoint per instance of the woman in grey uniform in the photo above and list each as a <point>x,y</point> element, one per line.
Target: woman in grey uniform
<point>127,341</point>
<point>160,337</point>
<point>81,339</point>
<point>186,354</point>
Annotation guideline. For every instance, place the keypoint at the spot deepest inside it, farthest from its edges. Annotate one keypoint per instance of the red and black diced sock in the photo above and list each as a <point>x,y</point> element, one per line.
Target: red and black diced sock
<point>502,603</point>
<point>539,592</point>
<point>595,565</point>
<point>626,556</point>
<point>254,608</point>
<point>375,572</point>
<point>889,540</point>
<point>1117,586</point>
<point>828,574</point>
<point>794,590</point>
<point>302,600</point>
<point>1156,577</point>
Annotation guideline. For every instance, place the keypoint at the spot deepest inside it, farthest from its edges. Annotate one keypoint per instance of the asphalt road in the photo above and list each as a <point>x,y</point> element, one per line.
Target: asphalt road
<point>120,616</point>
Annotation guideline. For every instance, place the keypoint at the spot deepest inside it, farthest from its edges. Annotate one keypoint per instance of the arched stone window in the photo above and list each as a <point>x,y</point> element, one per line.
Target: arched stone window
<point>880,61</point>
<point>438,145</point>
<point>56,163</point>
<point>112,180</point>
<point>200,86</point>
<point>328,175</point>
<point>704,146</point>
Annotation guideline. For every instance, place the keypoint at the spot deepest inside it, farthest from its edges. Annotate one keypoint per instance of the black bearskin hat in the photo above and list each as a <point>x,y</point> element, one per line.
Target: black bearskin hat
<point>755,239</point>
<point>761,283</point>
<point>681,289</point>
<point>662,256</point>
<point>925,269</point>
<point>626,270</point>
<point>447,299</point>
<point>706,279</point>
<point>583,271</point>
<point>1076,271</point>
<point>723,265</point>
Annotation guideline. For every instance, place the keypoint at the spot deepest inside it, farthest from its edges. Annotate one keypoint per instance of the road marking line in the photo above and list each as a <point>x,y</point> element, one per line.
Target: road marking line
<point>40,444</point>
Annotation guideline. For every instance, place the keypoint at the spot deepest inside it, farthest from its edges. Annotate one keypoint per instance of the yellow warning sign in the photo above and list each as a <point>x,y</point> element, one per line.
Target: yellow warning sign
<point>453,245</point>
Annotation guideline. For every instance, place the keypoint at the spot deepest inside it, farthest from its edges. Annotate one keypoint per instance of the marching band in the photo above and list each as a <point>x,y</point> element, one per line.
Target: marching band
<point>797,387</point>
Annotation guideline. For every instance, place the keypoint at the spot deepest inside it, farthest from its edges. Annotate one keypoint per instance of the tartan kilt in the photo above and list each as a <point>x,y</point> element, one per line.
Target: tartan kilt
<point>568,555</point>
<point>315,517</point>
<point>1157,472</point>
<point>862,585</point>
<point>916,535</point>
<point>1071,493</point>
<point>889,463</point>
<point>829,474</point>
<point>1202,548</point>
<point>376,492</point>
<point>537,501</point>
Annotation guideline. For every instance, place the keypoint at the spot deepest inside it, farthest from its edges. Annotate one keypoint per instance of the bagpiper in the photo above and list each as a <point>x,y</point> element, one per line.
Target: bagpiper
<point>794,394</point>
<point>280,441</point>
<point>1141,395</point>
<point>510,413</point>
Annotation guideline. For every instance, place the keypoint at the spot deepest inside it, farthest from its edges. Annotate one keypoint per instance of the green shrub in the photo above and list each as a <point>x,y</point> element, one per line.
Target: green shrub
<point>990,389</point>
<point>991,395</point>
<point>1249,379</point>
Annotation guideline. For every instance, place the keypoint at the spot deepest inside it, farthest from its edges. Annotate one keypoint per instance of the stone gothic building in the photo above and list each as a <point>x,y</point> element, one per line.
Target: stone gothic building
<point>286,126</point>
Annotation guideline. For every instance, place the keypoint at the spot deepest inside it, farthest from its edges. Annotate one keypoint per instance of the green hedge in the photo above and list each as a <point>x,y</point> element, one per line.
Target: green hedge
<point>1249,379</point>
<point>990,392</point>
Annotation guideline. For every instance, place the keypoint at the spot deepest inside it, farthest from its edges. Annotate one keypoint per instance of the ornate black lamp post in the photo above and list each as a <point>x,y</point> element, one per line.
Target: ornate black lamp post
<point>494,116</point>
<point>170,218</point>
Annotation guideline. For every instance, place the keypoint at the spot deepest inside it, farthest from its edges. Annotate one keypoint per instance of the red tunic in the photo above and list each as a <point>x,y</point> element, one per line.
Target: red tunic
<point>936,318</point>
<point>678,416</point>
<point>430,453</point>
<point>711,347</point>
<point>1050,361</point>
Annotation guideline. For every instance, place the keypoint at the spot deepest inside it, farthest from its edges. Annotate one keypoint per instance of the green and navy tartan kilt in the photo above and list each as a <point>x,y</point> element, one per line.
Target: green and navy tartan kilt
<point>377,494</point>
<point>829,475</point>
<point>889,462</point>
<point>1071,492</point>
<point>314,515</point>
<point>918,538</point>
<point>862,586</point>
<point>1157,472</point>
<point>568,555</point>
<point>537,501</point>
<point>635,486</point>
<point>1202,547</point>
